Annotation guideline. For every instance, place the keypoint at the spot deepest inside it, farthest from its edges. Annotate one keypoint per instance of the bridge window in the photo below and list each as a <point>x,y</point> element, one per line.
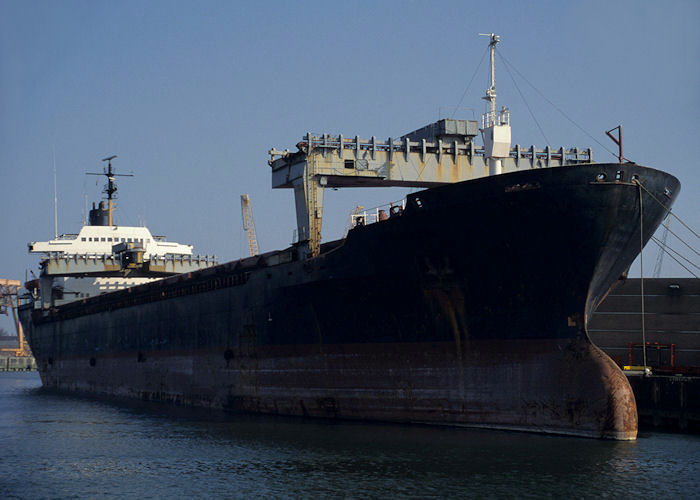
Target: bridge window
<point>82,239</point>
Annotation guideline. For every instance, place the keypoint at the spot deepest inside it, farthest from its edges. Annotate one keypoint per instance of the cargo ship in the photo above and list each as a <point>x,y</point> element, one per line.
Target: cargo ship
<point>465,304</point>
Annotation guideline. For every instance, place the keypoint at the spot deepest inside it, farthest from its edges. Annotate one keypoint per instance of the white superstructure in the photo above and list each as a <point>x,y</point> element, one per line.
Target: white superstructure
<point>92,262</point>
<point>100,240</point>
<point>105,257</point>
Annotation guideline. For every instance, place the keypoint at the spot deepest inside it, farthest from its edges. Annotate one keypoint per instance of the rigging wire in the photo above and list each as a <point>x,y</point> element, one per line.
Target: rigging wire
<point>523,98</point>
<point>666,249</point>
<point>508,63</point>
<point>678,254</point>
<point>686,244</point>
<point>85,196</point>
<point>470,82</point>
<point>508,66</point>
<point>670,212</point>
<point>660,258</point>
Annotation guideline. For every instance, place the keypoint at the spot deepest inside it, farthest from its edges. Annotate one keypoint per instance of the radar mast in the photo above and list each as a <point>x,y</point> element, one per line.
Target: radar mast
<point>111,187</point>
<point>495,126</point>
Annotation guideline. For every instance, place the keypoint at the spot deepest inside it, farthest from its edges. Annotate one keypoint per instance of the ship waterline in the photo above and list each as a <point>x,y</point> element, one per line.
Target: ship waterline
<point>546,386</point>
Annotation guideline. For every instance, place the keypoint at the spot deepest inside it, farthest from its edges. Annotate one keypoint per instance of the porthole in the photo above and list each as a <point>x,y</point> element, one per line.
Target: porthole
<point>601,177</point>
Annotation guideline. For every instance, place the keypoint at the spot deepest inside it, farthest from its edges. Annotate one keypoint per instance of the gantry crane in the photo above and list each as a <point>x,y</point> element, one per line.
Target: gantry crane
<point>8,300</point>
<point>248,224</point>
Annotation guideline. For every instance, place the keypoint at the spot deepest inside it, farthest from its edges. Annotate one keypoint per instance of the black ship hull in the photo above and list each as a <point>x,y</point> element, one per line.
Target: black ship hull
<point>468,309</point>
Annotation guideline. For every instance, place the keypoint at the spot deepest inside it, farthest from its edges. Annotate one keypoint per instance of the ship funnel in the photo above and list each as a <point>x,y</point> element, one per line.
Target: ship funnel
<point>99,216</point>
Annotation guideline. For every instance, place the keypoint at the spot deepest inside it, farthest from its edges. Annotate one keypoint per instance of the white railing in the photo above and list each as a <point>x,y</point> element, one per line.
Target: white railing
<point>491,118</point>
<point>170,257</point>
<point>362,217</point>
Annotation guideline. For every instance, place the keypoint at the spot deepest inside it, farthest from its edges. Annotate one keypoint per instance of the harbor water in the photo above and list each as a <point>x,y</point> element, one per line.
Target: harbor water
<point>63,446</point>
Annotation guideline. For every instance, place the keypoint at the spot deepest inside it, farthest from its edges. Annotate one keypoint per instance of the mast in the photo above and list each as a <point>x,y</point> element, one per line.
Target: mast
<point>111,187</point>
<point>55,200</point>
<point>491,91</point>
<point>495,125</point>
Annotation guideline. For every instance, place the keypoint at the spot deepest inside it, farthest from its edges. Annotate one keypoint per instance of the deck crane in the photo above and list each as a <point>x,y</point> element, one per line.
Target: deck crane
<point>248,224</point>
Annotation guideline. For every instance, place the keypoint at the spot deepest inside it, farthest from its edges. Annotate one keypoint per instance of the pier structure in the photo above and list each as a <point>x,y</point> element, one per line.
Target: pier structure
<point>20,357</point>
<point>667,389</point>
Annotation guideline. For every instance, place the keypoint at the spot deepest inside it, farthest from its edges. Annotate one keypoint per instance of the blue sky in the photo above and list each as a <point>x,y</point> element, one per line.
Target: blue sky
<point>192,95</point>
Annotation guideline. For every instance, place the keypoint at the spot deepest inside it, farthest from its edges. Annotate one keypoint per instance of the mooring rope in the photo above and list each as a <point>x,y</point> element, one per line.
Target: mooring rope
<point>641,269</point>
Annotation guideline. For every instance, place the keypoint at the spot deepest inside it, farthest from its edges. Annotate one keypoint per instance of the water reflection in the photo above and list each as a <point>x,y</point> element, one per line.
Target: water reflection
<point>66,446</point>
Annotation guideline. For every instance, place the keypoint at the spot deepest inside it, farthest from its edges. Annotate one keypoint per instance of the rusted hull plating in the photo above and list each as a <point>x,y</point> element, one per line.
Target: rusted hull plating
<point>543,386</point>
<point>468,309</point>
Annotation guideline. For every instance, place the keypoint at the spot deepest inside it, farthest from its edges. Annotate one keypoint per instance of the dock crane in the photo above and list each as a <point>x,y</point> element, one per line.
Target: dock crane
<point>248,224</point>
<point>9,300</point>
<point>664,237</point>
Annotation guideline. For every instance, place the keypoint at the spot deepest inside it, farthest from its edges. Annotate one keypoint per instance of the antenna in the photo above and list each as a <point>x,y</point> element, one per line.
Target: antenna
<point>111,187</point>
<point>491,91</point>
<point>55,199</point>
